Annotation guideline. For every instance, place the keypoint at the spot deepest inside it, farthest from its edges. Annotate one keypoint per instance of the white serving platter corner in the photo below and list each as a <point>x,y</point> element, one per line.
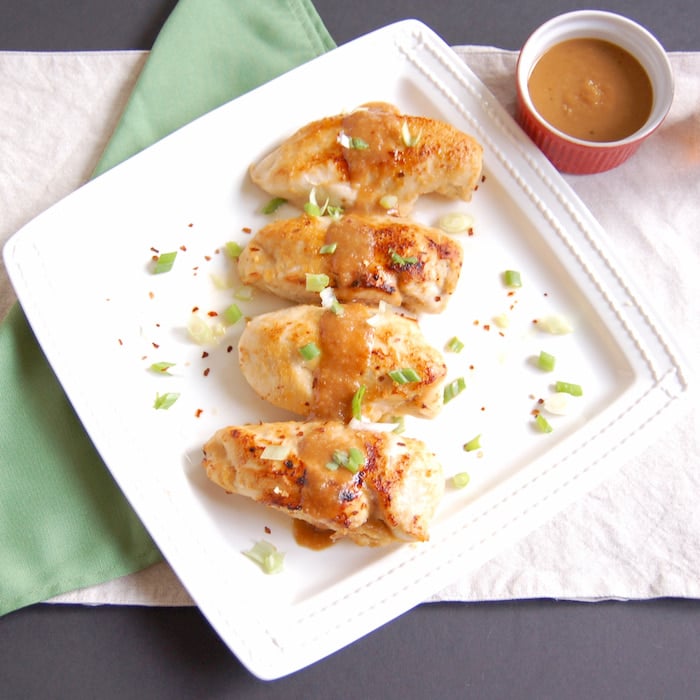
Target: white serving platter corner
<point>81,272</point>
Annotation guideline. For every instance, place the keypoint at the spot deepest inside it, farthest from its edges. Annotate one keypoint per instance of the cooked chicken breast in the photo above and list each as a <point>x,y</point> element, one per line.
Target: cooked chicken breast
<point>358,348</point>
<point>390,493</point>
<point>357,159</point>
<point>373,259</point>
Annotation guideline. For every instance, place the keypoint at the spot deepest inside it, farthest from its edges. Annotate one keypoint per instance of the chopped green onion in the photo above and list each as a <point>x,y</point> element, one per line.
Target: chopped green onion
<point>408,139</point>
<point>316,282</point>
<point>232,314</point>
<point>161,367</point>
<point>568,388</point>
<point>351,460</point>
<point>556,325</point>
<point>357,143</point>
<point>473,444</point>
<point>502,320</point>
<point>266,556</point>
<point>356,459</point>
<point>309,351</point>
<point>164,262</point>
<point>543,424</point>
<point>558,403</point>
<point>545,361</point>
<point>455,222</point>
<point>357,398</point>
<point>511,278</point>
<point>401,260</point>
<point>454,388</point>
<point>389,201</point>
<point>400,424</point>
<point>328,248</point>
<point>165,401</point>
<point>334,211</point>
<point>405,375</point>
<point>273,205</point>
<point>276,453</point>
<point>454,344</point>
<point>233,249</point>
<point>312,209</point>
<point>201,332</point>
<point>459,481</point>
<point>244,293</point>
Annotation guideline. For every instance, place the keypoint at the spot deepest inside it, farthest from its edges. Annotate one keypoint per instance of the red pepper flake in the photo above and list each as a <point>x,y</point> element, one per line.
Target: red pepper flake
<point>267,530</point>
<point>247,229</point>
<point>183,248</point>
<point>229,348</point>
<point>502,334</point>
<point>190,225</point>
<point>206,372</point>
<point>487,327</point>
<point>546,294</point>
<point>471,367</point>
<point>198,413</point>
<point>154,258</point>
<point>470,231</point>
<point>207,258</point>
<point>540,401</point>
<point>151,295</point>
<point>205,354</point>
<point>155,250</point>
<point>195,309</point>
<point>511,293</point>
<point>483,408</point>
<point>120,341</point>
<point>535,412</point>
<point>155,345</point>
<point>476,323</point>
<point>483,178</point>
<point>212,313</point>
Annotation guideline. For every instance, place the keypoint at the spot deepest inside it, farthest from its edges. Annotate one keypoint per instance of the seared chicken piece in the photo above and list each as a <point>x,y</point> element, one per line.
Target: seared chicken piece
<point>374,258</point>
<point>359,347</point>
<point>374,152</point>
<point>389,491</point>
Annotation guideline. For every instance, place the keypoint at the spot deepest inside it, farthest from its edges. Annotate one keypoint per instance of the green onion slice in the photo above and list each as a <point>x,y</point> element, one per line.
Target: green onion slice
<point>545,361</point>
<point>164,263</point>
<point>328,249</point>
<point>389,201</point>
<point>357,398</point>
<point>455,222</point>
<point>232,314</point>
<point>352,459</point>
<point>543,424</point>
<point>568,388</point>
<point>405,375</point>
<point>233,249</point>
<point>273,205</point>
<point>454,388</point>
<point>244,293</point>
<point>316,282</point>
<point>401,260</point>
<point>473,444</point>
<point>276,453</point>
<point>459,481</point>
<point>454,344</point>
<point>511,278</point>
<point>266,556</point>
<point>409,139</point>
<point>165,401</point>
<point>309,351</point>
<point>161,367</point>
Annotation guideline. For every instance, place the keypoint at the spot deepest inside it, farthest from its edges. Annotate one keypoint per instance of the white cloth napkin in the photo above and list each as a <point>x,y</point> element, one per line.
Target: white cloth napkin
<point>637,535</point>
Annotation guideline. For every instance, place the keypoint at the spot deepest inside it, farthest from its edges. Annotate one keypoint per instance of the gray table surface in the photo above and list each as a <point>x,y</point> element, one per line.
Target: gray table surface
<point>521,649</point>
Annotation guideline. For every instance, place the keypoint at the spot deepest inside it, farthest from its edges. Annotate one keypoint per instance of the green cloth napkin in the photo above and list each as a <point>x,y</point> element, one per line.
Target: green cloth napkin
<point>64,523</point>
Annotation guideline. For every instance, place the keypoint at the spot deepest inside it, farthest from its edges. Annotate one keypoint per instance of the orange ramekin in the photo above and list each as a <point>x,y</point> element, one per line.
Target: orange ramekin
<point>567,153</point>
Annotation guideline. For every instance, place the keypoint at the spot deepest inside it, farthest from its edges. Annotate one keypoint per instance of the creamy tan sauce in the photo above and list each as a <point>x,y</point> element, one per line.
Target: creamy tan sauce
<point>592,90</point>
<point>306,535</point>
<point>354,253</point>
<point>346,346</point>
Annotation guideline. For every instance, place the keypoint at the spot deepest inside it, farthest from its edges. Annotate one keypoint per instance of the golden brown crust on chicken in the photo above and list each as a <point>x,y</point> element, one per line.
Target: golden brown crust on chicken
<point>358,348</point>
<point>356,159</point>
<point>392,496</point>
<point>376,258</point>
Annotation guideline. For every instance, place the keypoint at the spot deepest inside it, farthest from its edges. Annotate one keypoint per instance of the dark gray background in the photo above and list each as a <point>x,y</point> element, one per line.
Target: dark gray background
<point>530,649</point>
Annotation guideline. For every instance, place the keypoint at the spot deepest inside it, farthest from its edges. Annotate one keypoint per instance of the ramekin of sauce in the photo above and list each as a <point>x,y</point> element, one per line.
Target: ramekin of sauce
<point>592,86</point>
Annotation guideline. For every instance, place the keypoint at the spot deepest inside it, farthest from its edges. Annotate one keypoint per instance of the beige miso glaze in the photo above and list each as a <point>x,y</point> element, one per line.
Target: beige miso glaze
<point>346,347</point>
<point>591,89</point>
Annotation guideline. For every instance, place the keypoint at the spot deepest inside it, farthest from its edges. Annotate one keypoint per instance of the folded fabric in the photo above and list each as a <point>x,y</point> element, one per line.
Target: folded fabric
<point>64,523</point>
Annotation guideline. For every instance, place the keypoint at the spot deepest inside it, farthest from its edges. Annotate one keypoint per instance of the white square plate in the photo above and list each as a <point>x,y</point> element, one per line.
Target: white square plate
<point>81,271</point>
